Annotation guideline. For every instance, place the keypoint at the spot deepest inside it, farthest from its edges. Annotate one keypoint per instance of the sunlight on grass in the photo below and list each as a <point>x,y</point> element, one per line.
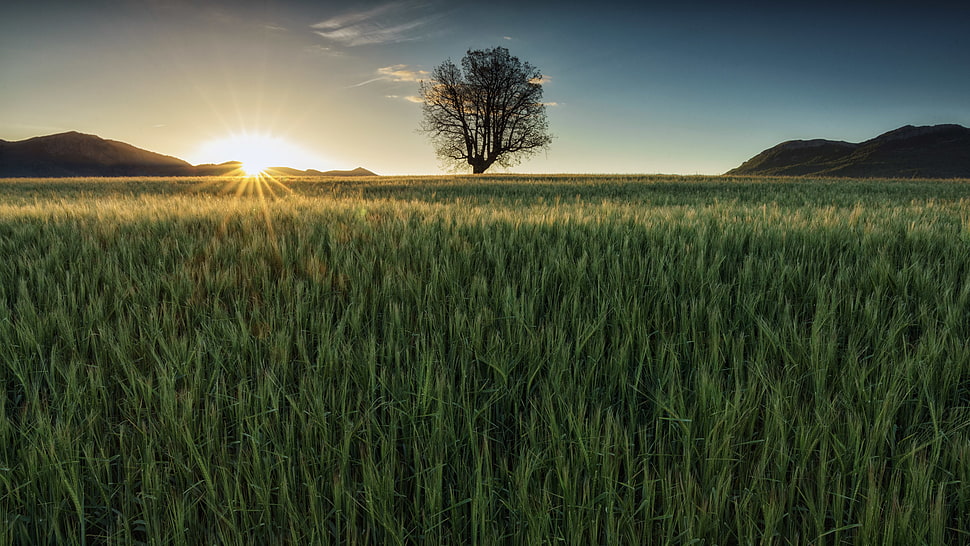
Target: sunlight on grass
<point>486,360</point>
<point>264,187</point>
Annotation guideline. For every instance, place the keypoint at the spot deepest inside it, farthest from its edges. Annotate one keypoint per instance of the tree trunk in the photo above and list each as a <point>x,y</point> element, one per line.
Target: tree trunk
<point>480,165</point>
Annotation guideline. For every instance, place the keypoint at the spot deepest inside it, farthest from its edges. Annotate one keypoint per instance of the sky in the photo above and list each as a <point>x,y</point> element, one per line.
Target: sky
<point>684,88</point>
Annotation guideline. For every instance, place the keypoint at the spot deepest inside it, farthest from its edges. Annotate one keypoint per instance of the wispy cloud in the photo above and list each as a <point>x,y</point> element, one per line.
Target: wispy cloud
<point>401,73</point>
<point>396,73</point>
<point>323,51</point>
<point>410,98</point>
<point>389,23</point>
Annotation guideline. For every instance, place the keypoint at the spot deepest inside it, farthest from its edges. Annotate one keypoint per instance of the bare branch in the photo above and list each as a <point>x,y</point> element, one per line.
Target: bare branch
<point>488,111</point>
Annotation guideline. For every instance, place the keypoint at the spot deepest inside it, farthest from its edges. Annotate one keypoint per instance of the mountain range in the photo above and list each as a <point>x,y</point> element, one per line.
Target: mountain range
<point>79,154</point>
<point>935,151</point>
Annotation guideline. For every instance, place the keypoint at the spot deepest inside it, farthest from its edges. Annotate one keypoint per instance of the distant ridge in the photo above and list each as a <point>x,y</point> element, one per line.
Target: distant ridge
<point>935,151</point>
<point>78,154</point>
<point>285,171</point>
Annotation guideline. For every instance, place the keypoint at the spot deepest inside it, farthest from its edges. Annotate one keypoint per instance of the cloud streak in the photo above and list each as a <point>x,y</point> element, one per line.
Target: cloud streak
<point>389,23</point>
<point>401,73</point>
<point>396,73</point>
<point>410,98</point>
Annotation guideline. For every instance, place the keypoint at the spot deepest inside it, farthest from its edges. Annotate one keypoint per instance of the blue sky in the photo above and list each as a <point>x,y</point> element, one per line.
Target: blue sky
<point>634,88</point>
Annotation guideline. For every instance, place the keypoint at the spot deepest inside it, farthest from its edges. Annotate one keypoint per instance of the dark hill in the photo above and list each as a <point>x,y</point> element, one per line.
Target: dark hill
<point>359,171</point>
<point>937,151</point>
<point>288,171</point>
<point>78,154</point>
<point>222,169</point>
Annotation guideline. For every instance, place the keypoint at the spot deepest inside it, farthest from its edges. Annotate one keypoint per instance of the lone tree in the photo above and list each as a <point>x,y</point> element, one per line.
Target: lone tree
<point>488,111</point>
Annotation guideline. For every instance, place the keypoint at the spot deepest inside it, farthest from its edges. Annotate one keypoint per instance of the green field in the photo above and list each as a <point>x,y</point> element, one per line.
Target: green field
<point>485,360</point>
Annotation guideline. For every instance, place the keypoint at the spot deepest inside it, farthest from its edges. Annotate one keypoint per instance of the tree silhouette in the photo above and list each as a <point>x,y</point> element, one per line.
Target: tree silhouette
<point>488,111</point>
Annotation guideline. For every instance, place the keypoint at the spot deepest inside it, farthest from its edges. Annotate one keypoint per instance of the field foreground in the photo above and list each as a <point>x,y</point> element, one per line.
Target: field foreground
<point>485,360</point>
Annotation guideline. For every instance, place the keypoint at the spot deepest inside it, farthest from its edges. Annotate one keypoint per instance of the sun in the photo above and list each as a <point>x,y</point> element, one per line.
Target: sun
<point>255,167</point>
<point>258,152</point>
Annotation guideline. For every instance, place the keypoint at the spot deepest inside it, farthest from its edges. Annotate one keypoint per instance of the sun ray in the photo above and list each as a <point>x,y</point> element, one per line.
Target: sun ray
<point>254,179</point>
<point>258,152</point>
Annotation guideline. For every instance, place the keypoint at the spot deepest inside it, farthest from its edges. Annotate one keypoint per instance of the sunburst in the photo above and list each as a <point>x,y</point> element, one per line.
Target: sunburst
<point>254,178</point>
<point>258,152</point>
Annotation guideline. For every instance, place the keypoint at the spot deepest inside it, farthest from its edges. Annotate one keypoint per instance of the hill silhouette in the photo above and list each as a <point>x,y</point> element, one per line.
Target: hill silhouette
<point>286,171</point>
<point>936,151</point>
<point>78,154</point>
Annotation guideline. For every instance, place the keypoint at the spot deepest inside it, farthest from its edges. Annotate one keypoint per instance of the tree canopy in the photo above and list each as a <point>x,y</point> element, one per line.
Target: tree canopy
<point>488,111</point>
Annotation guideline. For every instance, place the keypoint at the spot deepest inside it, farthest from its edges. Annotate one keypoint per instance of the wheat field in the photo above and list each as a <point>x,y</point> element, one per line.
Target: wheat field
<point>487,360</point>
